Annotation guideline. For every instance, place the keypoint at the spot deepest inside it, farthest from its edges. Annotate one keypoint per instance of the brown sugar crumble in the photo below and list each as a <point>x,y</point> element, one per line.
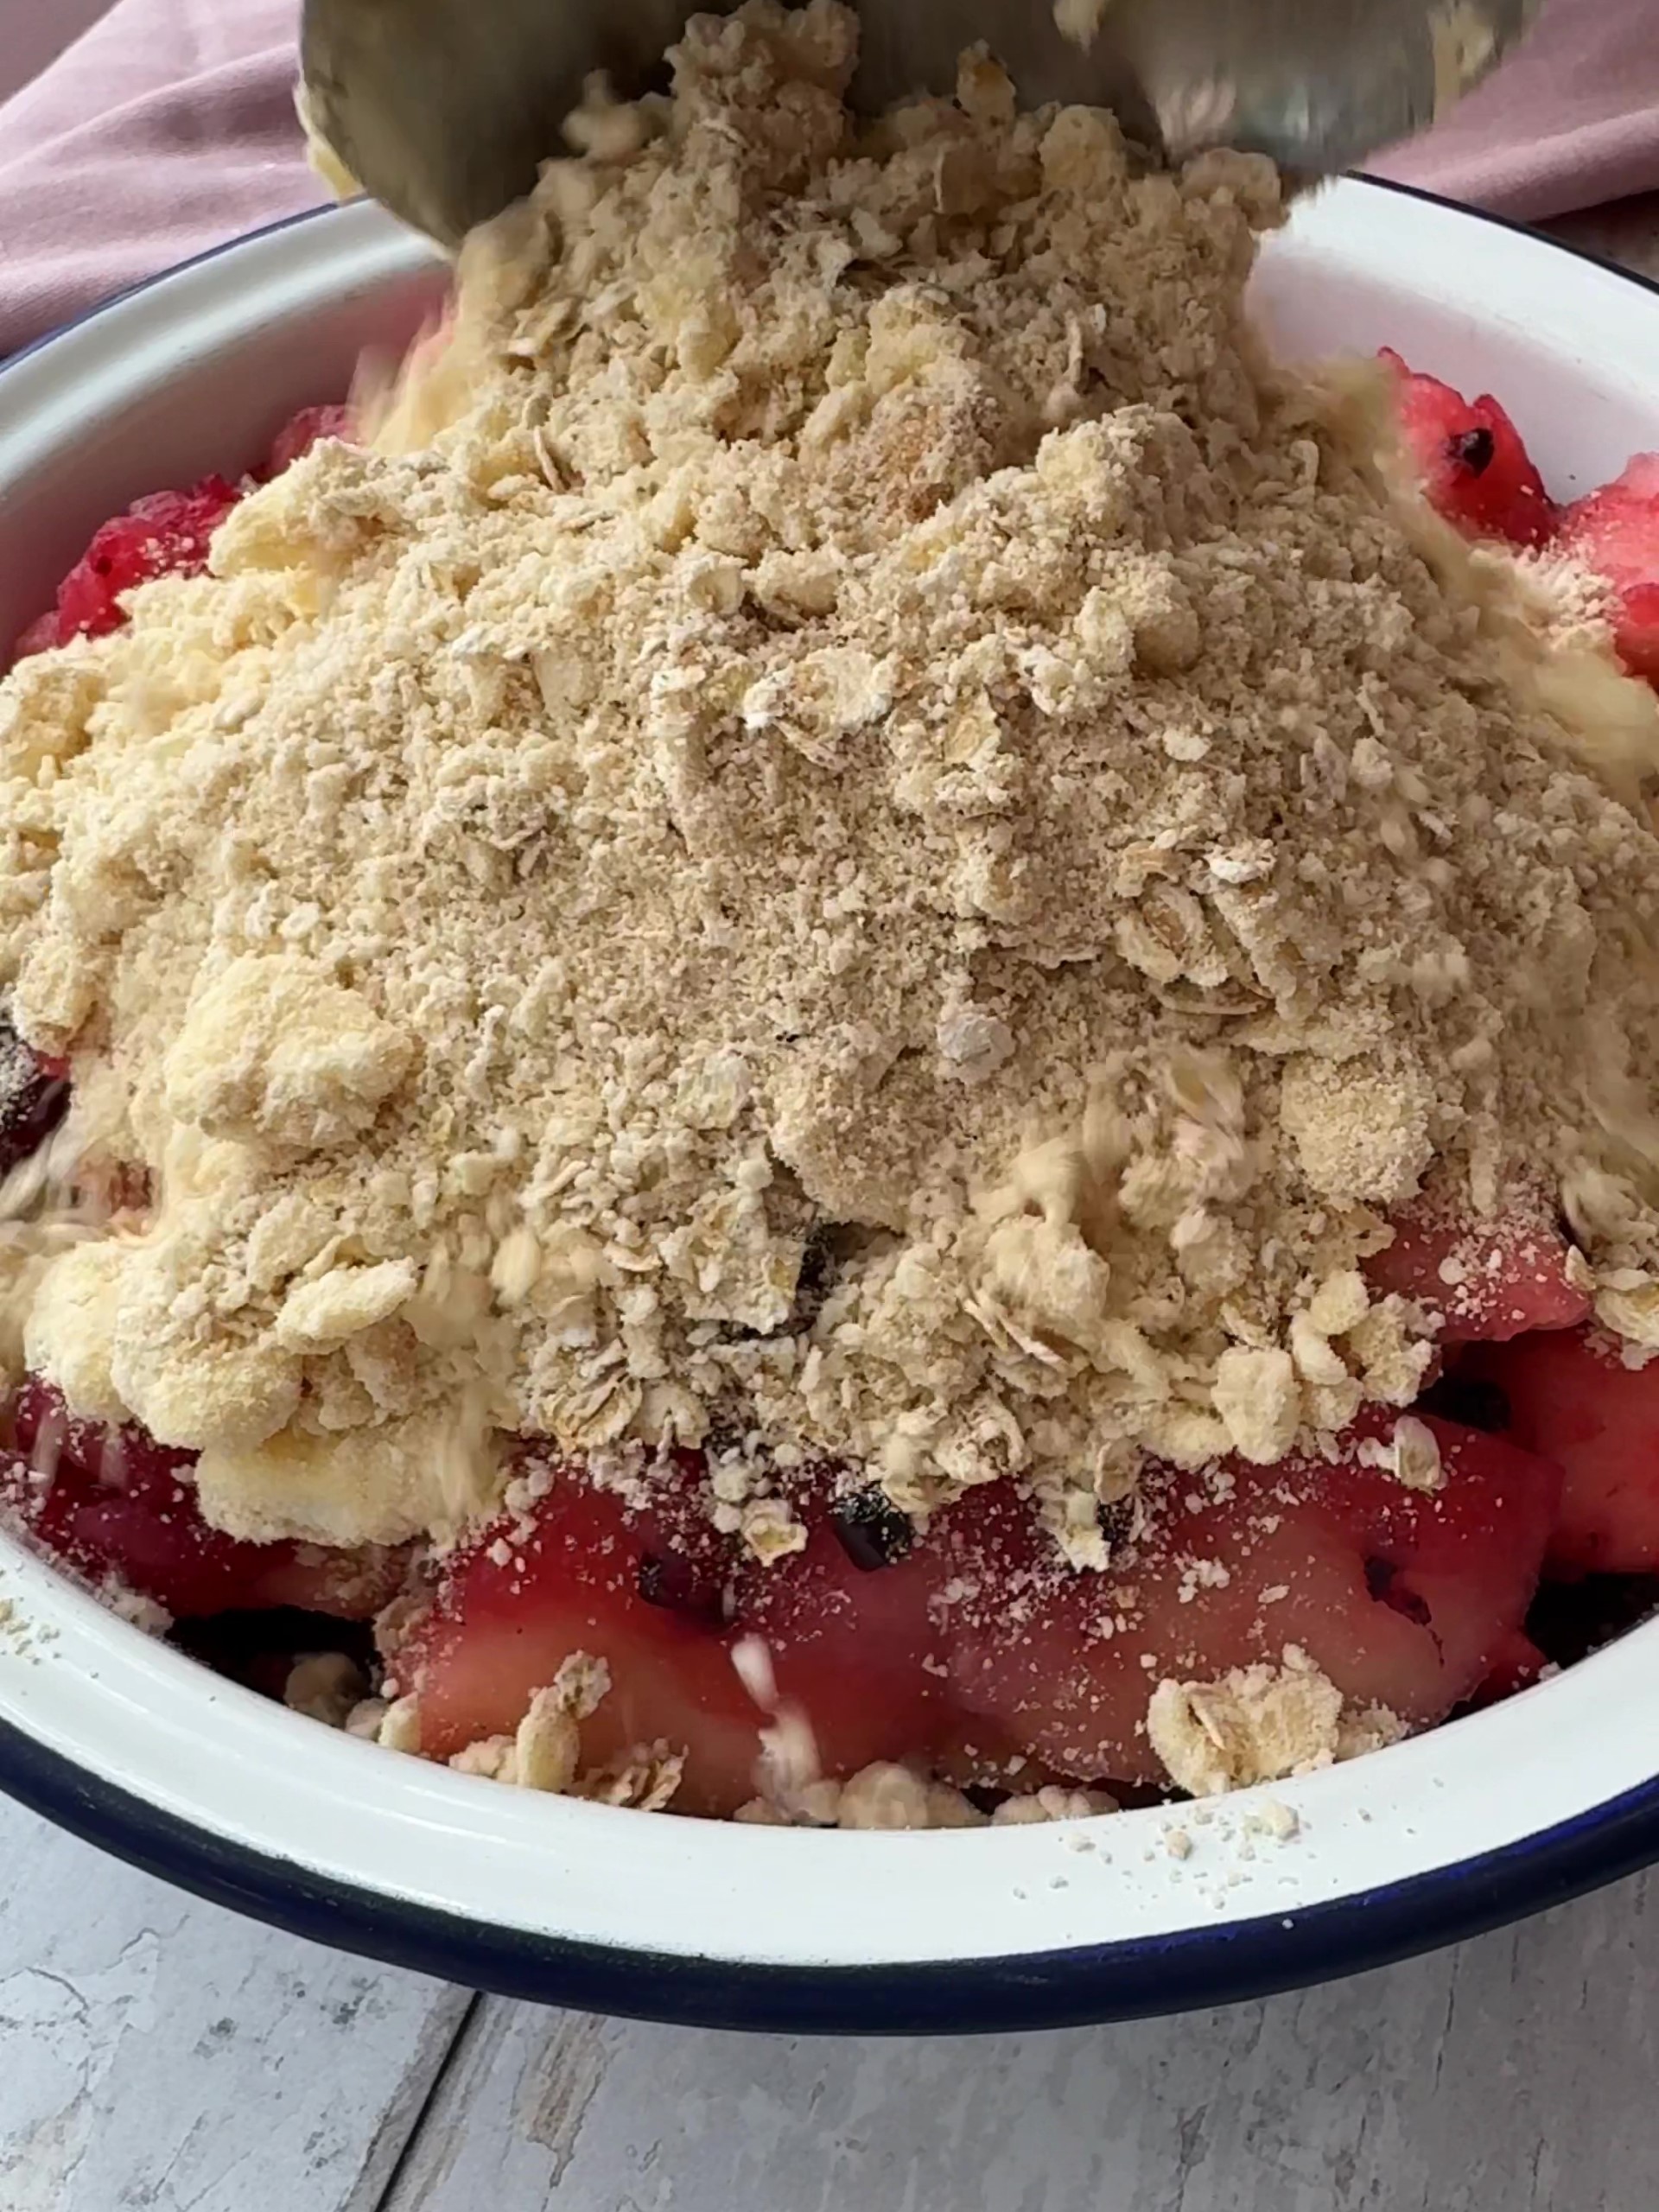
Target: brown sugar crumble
<point>859,835</point>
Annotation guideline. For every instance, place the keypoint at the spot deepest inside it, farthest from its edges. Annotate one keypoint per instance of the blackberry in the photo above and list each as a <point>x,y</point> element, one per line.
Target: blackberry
<point>1466,1399</point>
<point>34,1098</point>
<point>679,1585</point>
<point>1382,1580</point>
<point>1475,450</point>
<point>873,1531</point>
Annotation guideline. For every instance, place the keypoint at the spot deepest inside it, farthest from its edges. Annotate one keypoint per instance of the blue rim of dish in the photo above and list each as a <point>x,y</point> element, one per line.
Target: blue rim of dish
<point>1079,1985</point>
<point>1082,1985</point>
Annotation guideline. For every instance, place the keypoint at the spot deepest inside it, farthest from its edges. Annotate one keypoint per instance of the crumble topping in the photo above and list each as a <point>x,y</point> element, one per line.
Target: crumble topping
<point>1411,1455</point>
<point>325,1686</point>
<point>1053,1802</point>
<point>1259,1724</point>
<point>543,1753</point>
<point>859,829</point>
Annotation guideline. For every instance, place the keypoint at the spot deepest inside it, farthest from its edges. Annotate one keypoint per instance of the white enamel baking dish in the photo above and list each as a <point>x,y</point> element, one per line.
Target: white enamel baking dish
<point>136,1747</point>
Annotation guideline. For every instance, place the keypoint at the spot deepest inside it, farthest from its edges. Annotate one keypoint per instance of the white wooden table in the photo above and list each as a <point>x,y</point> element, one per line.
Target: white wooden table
<point>160,2055</point>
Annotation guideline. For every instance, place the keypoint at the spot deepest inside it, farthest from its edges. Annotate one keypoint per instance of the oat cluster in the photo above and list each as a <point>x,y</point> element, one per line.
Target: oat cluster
<point>859,835</point>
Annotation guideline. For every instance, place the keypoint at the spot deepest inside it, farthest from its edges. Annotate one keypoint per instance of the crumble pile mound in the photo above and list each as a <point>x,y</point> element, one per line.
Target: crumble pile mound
<point>859,837</point>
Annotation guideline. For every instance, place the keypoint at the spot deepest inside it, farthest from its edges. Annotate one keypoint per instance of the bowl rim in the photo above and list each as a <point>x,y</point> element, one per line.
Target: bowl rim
<point>1170,1971</point>
<point>1136,1978</point>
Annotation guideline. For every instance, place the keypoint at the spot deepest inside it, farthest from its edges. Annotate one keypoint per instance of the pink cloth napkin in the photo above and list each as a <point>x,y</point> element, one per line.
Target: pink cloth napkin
<point>1571,121</point>
<point>169,126</point>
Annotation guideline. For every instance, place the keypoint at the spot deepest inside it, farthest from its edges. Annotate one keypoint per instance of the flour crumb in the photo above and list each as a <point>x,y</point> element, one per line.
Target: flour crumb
<point>1417,1462</point>
<point>1053,1802</point>
<point>326,1685</point>
<point>399,1727</point>
<point>1273,1817</point>
<point>547,1747</point>
<point>1080,20</point>
<point>646,1778</point>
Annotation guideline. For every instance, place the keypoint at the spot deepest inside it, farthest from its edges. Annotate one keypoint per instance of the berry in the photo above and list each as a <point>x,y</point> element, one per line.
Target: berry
<point>1616,532</point>
<point>34,1097</point>
<point>872,1531</point>
<point>977,1643</point>
<point>115,1507</point>
<point>166,534</point>
<point>1487,1282</point>
<point>584,1572</point>
<point>1469,1399</point>
<point>297,436</point>
<point>684,1585</point>
<point>1404,1598</point>
<point>532,1589</point>
<point>1475,469</point>
<point>40,637</point>
<point>1600,1420</point>
<point>1515,1665</point>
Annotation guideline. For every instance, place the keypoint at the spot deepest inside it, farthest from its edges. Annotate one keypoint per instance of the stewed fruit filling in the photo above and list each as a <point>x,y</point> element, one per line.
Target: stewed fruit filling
<point>846,1035</point>
<point>1246,1616</point>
